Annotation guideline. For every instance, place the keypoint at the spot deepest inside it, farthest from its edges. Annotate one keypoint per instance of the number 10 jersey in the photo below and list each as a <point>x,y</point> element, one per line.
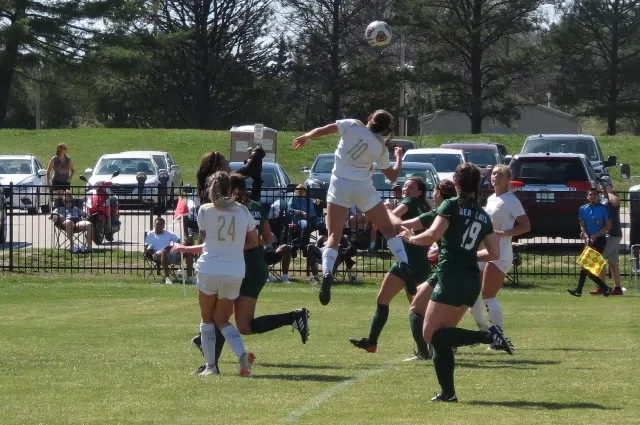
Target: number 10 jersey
<point>359,148</point>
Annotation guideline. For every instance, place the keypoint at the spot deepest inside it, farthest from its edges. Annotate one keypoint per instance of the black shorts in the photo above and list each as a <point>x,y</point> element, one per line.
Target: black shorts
<point>272,257</point>
<point>599,244</point>
<point>58,185</point>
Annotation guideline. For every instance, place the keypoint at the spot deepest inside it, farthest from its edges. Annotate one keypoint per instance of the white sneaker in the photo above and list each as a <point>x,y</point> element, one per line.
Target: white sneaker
<point>285,278</point>
<point>192,280</point>
<point>314,281</point>
<point>168,281</point>
<point>209,370</point>
<point>272,279</point>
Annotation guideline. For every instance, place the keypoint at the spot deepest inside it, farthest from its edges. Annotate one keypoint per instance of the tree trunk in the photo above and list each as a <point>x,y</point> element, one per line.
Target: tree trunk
<point>8,64</point>
<point>476,69</point>
<point>612,97</point>
<point>334,82</point>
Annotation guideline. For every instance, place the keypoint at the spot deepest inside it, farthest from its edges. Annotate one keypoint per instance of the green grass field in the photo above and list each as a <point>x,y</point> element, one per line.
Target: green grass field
<point>101,350</point>
<point>187,146</point>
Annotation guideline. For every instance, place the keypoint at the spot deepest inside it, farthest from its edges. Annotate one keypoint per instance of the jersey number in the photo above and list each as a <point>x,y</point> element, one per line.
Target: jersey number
<point>358,150</point>
<point>231,230</point>
<point>470,235</point>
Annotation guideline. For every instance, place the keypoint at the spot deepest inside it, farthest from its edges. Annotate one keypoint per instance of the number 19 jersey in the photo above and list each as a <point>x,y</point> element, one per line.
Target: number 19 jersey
<point>226,231</point>
<point>357,150</point>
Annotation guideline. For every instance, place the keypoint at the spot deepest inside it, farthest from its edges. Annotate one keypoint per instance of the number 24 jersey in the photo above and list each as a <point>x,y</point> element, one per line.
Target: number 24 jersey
<point>359,148</point>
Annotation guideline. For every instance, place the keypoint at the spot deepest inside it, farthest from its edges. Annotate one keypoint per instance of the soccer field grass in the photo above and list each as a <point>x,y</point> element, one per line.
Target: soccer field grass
<point>81,349</point>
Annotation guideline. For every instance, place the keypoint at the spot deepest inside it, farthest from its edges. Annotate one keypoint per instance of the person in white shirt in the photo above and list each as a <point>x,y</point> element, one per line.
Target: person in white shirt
<point>360,147</point>
<point>157,248</point>
<point>509,220</point>
<point>227,228</point>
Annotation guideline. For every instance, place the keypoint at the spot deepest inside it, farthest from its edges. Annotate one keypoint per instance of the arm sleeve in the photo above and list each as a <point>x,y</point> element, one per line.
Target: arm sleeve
<point>426,219</point>
<point>344,124</point>
<point>517,209</point>
<point>174,237</point>
<point>201,218</point>
<point>446,207</point>
<point>146,238</point>
<point>581,213</point>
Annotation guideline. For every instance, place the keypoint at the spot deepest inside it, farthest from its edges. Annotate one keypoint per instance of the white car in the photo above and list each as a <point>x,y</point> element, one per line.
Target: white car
<point>153,164</point>
<point>28,176</point>
<point>445,161</point>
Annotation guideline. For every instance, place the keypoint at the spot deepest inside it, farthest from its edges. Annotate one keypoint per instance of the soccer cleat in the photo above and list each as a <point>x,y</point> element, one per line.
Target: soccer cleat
<point>499,340</point>
<point>197,341</point>
<point>575,292</point>
<point>246,363</point>
<point>199,370</point>
<point>409,281</point>
<point>325,289</point>
<point>617,291</point>
<point>363,343</point>
<point>596,291</point>
<point>301,323</point>
<point>444,398</point>
<point>208,371</point>
<point>417,355</point>
<point>607,292</point>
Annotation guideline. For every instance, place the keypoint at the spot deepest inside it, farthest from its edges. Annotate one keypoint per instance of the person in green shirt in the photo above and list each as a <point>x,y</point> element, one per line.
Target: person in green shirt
<point>461,226</point>
<point>413,204</point>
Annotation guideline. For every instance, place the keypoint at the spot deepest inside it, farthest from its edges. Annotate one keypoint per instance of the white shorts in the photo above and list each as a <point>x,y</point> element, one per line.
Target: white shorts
<point>222,285</point>
<point>345,192</point>
<point>504,263</point>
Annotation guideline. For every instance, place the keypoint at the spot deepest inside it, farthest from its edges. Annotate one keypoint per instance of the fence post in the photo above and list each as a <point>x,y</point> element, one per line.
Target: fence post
<point>10,210</point>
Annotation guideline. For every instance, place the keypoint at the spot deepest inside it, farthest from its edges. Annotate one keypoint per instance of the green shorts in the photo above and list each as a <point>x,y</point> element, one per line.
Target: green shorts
<point>256,273</point>
<point>457,288</point>
<point>418,263</point>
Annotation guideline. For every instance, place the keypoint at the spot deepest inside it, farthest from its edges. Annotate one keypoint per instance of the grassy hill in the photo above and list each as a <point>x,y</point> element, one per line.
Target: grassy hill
<point>187,146</point>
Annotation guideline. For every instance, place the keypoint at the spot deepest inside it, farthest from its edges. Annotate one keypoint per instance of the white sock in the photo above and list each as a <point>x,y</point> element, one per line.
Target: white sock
<point>495,312</point>
<point>208,341</point>
<point>234,339</point>
<point>397,248</point>
<point>329,256</point>
<point>477,311</point>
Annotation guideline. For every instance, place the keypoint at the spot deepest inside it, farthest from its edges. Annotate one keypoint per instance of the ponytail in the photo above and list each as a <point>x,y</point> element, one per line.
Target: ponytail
<point>219,185</point>
<point>468,178</point>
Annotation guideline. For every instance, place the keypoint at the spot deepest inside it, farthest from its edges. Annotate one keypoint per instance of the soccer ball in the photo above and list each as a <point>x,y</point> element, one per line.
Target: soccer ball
<point>378,34</point>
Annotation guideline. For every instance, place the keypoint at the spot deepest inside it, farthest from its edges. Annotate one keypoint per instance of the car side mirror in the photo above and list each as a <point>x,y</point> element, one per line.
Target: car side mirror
<point>88,171</point>
<point>611,161</point>
<point>305,170</point>
<point>175,168</point>
<point>42,172</point>
<point>625,171</point>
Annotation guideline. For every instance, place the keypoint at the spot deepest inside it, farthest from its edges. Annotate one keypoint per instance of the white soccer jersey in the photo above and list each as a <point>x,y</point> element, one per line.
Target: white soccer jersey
<point>358,150</point>
<point>226,231</point>
<point>504,210</point>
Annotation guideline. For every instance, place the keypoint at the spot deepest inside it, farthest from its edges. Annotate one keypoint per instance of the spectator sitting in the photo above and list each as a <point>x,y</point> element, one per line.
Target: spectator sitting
<point>395,198</point>
<point>314,257</point>
<point>359,223</point>
<point>158,247</point>
<point>273,254</point>
<point>304,212</point>
<point>69,218</point>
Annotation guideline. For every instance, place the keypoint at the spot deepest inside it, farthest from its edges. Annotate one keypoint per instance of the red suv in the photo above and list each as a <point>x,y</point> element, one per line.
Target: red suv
<point>551,187</point>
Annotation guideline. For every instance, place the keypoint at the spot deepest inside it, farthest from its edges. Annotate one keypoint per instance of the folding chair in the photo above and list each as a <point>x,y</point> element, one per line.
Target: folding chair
<point>151,265</point>
<point>60,232</point>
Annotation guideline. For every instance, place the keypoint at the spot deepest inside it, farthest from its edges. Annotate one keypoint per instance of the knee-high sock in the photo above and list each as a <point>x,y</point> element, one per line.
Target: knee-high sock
<point>477,311</point>
<point>444,365</point>
<point>495,312</point>
<point>208,338</point>
<point>329,256</point>
<point>396,246</point>
<point>270,322</point>
<point>220,340</point>
<point>415,324</point>
<point>235,340</point>
<point>377,322</point>
<point>583,276</point>
<point>456,337</point>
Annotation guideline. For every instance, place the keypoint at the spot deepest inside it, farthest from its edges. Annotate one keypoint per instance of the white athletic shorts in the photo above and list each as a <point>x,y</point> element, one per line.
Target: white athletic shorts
<point>345,192</point>
<point>504,263</point>
<point>222,285</point>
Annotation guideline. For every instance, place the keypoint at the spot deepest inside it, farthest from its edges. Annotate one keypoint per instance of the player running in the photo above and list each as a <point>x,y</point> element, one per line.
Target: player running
<point>360,147</point>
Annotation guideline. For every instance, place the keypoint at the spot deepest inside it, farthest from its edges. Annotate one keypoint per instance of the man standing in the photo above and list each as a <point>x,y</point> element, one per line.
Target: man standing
<point>158,248</point>
<point>614,236</point>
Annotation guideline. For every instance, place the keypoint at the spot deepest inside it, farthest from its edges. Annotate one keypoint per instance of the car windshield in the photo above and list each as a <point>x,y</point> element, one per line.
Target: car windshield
<point>547,170</point>
<point>15,166</point>
<point>126,166</point>
<point>442,162</point>
<point>584,146</point>
<point>323,164</point>
<point>161,163</point>
<point>481,158</point>
<point>268,177</point>
<point>380,182</point>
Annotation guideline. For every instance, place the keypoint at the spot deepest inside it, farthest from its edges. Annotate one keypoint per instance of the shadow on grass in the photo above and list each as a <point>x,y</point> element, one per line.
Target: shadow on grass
<point>306,377</point>
<point>570,349</point>
<point>299,366</point>
<point>549,405</point>
<point>505,364</point>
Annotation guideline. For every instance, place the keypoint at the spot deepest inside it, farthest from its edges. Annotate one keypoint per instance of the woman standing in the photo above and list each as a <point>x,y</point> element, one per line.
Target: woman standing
<point>360,147</point>
<point>62,167</point>
<point>412,205</point>
<point>509,219</point>
<point>221,269</point>
<point>461,225</point>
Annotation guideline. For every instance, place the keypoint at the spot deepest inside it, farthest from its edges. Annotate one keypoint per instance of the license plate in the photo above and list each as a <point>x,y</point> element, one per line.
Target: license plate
<point>543,197</point>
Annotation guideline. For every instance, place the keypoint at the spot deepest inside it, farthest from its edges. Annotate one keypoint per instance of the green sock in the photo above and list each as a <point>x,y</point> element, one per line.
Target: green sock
<point>456,337</point>
<point>377,323</point>
<point>444,365</point>
<point>270,322</point>
<point>415,324</point>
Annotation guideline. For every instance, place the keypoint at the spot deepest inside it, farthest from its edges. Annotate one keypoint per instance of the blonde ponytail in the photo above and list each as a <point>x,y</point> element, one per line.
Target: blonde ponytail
<point>219,188</point>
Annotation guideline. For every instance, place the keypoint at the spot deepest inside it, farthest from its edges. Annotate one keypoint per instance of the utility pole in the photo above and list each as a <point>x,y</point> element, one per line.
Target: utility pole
<point>402,124</point>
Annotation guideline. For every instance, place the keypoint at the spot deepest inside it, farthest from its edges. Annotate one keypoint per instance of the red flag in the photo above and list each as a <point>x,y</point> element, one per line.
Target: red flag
<point>181,209</point>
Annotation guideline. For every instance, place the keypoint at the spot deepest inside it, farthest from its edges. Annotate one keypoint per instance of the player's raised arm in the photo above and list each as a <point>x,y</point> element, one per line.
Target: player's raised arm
<point>300,141</point>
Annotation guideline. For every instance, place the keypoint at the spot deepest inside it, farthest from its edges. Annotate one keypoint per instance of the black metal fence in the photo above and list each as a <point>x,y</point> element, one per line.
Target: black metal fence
<point>35,240</point>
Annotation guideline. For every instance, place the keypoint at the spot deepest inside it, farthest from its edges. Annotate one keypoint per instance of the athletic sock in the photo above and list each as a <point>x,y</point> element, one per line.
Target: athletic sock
<point>495,312</point>
<point>235,340</point>
<point>396,246</point>
<point>377,323</point>
<point>208,340</point>
<point>270,322</point>
<point>415,324</point>
<point>220,340</point>
<point>477,311</point>
<point>329,256</point>
<point>444,365</point>
<point>456,337</point>
<point>603,286</point>
<point>581,279</point>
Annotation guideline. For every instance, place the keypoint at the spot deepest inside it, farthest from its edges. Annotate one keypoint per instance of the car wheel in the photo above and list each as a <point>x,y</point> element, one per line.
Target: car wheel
<point>98,232</point>
<point>108,237</point>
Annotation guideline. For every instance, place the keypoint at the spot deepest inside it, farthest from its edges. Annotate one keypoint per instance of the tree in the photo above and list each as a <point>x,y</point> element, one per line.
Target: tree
<point>474,51</point>
<point>597,46</point>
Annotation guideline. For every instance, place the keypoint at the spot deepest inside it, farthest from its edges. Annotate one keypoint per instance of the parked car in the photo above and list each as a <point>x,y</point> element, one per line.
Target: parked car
<point>275,182</point>
<point>404,144</point>
<point>445,161</point>
<point>484,155</point>
<point>423,170</point>
<point>552,187</point>
<point>321,169</point>
<point>27,175</point>
<point>571,143</point>
<point>156,167</point>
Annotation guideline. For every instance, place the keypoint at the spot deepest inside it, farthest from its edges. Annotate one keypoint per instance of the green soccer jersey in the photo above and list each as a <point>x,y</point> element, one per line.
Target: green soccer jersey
<point>414,208</point>
<point>426,219</point>
<point>258,213</point>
